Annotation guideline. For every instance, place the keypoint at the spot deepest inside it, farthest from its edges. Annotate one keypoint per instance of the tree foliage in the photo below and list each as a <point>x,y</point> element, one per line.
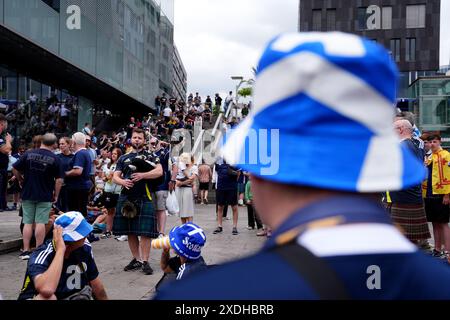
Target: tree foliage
<point>245,92</point>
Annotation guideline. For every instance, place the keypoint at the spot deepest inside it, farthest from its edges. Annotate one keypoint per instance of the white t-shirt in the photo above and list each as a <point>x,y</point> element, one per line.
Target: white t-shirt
<point>200,109</point>
<point>99,183</point>
<point>193,170</point>
<point>33,98</point>
<point>12,160</point>
<point>103,162</point>
<point>53,109</point>
<point>167,112</point>
<point>109,185</point>
<point>64,112</point>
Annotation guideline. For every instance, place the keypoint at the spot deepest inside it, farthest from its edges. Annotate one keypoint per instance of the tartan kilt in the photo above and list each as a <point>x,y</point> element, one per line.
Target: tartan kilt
<point>412,220</point>
<point>142,225</point>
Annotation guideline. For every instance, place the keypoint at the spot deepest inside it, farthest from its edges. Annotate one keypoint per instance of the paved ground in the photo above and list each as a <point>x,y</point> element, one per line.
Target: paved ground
<point>9,225</point>
<point>111,256</point>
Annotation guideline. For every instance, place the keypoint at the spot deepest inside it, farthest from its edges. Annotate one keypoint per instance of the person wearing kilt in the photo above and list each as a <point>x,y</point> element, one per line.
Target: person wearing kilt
<point>437,197</point>
<point>407,209</point>
<point>135,212</point>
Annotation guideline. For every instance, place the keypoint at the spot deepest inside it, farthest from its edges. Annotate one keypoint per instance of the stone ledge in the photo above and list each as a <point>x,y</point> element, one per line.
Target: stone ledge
<point>10,245</point>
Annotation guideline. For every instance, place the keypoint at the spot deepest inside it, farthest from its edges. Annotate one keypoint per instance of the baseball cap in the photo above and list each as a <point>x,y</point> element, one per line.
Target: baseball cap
<point>187,240</point>
<point>75,227</point>
<point>323,114</point>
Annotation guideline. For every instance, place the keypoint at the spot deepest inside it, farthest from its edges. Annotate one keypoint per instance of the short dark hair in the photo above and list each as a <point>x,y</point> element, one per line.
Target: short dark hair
<point>434,136</point>
<point>3,118</point>
<point>138,131</point>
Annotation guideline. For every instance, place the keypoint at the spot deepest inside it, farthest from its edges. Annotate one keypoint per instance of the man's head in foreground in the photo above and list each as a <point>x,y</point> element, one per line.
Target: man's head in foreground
<point>324,112</point>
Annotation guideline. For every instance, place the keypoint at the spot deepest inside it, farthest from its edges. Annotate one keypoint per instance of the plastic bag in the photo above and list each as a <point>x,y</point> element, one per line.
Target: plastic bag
<point>172,203</point>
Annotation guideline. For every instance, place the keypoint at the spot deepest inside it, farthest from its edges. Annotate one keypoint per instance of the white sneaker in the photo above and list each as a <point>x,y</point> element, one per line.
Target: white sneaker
<point>122,238</point>
<point>241,202</point>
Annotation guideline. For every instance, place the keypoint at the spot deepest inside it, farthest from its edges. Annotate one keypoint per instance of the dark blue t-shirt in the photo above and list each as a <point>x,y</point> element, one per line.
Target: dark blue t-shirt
<point>4,159</point>
<point>225,181</point>
<point>164,156</point>
<point>78,270</point>
<point>190,267</point>
<point>412,195</point>
<point>65,161</point>
<point>16,156</point>
<point>40,168</point>
<point>81,159</point>
<point>242,178</point>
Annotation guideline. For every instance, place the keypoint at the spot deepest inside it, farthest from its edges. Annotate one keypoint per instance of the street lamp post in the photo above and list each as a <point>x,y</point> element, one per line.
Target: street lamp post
<point>241,82</point>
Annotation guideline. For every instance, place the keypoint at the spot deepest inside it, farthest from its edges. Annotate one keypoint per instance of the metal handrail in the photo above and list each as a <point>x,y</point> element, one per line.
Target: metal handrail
<point>197,142</point>
<point>215,131</point>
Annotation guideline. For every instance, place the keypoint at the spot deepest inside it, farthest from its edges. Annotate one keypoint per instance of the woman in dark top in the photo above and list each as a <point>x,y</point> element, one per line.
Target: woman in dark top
<point>65,157</point>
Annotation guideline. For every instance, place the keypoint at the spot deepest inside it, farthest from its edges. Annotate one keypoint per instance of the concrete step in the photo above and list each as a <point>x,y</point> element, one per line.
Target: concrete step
<point>10,245</point>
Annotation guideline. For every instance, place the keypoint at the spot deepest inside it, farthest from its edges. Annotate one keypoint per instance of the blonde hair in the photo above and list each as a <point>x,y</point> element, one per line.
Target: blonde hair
<point>185,158</point>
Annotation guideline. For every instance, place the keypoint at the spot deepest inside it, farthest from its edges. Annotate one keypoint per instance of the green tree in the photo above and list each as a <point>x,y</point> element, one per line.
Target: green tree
<point>245,92</point>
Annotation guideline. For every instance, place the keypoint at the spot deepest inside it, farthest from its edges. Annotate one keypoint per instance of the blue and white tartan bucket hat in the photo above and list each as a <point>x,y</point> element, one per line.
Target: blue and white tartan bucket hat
<point>74,225</point>
<point>323,117</point>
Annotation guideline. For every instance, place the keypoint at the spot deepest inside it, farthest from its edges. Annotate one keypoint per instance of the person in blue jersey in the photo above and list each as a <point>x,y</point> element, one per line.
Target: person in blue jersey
<point>187,242</point>
<point>407,209</point>
<point>162,151</point>
<point>65,158</point>
<point>39,172</point>
<point>63,268</point>
<point>77,179</point>
<point>323,123</point>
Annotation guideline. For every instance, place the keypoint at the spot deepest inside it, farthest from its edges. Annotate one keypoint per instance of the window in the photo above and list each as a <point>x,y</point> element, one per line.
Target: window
<point>54,4</point>
<point>362,19</point>
<point>374,18</point>
<point>331,19</point>
<point>415,16</point>
<point>395,49</point>
<point>411,49</point>
<point>386,18</point>
<point>152,61</point>
<point>153,38</point>
<point>317,20</point>
<point>165,52</point>
<point>119,62</point>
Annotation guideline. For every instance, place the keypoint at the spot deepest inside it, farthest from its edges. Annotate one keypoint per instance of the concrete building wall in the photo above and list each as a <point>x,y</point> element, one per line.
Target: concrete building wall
<point>383,21</point>
<point>180,77</point>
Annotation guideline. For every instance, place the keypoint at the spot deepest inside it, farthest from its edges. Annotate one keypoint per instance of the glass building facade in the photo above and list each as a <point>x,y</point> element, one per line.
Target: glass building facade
<point>126,44</point>
<point>432,105</point>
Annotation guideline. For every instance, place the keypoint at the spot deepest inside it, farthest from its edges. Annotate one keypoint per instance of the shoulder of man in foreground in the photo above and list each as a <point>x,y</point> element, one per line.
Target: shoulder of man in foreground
<point>245,279</point>
<point>264,276</point>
